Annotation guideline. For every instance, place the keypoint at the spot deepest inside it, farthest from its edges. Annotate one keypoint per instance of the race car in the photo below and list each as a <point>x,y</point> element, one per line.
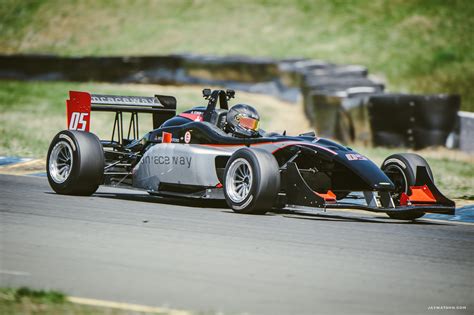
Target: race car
<point>217,152</point>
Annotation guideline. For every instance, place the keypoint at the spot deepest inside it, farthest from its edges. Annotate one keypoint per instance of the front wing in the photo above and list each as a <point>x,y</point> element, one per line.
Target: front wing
<point>424,197</point>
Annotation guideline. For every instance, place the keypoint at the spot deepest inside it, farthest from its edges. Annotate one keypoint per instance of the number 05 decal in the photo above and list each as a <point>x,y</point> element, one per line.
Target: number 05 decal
<point>78,121</point>
<point>78,111</point>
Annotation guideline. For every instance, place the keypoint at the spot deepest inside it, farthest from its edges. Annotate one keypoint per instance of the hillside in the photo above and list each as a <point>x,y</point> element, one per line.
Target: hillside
<point>417,46</point>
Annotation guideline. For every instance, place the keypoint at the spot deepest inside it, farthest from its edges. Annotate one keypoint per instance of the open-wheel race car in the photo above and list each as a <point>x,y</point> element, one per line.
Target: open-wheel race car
<point>220,153</point>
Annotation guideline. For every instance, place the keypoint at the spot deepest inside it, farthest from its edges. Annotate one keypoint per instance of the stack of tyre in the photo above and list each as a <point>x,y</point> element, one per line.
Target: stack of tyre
<point>413,121</point>
<point>331,92</point>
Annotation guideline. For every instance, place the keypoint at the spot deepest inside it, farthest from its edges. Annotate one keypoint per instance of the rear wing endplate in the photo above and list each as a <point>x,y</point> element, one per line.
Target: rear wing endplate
<point>80,104</point>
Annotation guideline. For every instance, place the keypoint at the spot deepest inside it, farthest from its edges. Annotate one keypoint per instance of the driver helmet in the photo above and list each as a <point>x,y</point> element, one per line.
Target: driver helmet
<point>242,120</point>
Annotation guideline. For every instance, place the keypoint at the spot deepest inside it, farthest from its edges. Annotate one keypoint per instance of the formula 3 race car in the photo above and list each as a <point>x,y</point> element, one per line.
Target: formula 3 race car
<point>220,153</point>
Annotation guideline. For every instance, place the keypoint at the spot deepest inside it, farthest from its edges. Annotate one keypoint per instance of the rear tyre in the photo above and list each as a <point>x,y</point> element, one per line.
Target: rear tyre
<point>251,181</point>
<point>401,169</point>
<point>75,163</point>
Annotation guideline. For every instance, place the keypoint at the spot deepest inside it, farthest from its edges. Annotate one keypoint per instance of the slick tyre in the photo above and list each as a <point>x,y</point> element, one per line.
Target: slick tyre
<point>251,181</point>
<point>391,113</point>
<point>401,169</point>
<point>75,163</point>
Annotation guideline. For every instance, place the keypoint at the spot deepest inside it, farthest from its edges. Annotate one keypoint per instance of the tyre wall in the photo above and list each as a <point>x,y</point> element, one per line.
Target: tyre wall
<point>414,121</point>
<point>466,135</point>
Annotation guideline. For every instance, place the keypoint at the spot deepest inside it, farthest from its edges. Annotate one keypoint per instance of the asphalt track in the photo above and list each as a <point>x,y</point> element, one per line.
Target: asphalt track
<point>202,257</point>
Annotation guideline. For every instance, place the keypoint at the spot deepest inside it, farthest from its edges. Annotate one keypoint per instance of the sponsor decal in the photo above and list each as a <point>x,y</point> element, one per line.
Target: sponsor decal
<point>177,160</point>
<point>245,204</point>
<point>78,121</point>
<point>396,161</point>
<point>63,136</point>
<point>162,140</point>
<point>124,100</point>
<point>78,111</point>
<point>356,157</point>
<point>196,116</point>
<point>187,137</point>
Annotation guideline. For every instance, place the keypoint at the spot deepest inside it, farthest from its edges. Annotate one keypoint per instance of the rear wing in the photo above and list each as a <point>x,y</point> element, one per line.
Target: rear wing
<point>80,104</point>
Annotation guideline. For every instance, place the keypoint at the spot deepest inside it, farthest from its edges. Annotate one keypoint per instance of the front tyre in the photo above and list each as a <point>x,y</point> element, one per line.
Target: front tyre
<point>401,169</point>
<point>251,181</point>
<point>75,163</point>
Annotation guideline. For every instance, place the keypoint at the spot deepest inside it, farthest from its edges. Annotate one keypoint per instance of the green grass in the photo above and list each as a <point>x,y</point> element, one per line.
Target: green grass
<point>418,45</point>
<point>42,296</point>
<point>25,301</point>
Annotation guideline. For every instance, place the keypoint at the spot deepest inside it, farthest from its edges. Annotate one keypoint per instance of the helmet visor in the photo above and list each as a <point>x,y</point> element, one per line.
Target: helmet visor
<point>248,123</point>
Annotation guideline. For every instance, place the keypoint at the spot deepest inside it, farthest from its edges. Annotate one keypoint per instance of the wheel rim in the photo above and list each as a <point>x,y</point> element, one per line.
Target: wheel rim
<point>60,162</point>
<point>239,180</point>
<point>399,179</point>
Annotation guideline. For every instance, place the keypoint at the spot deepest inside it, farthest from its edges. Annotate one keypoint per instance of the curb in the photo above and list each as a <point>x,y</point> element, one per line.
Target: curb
<point>23,166</point>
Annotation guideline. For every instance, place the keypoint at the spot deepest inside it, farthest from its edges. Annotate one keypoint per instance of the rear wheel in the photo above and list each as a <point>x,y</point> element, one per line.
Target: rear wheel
<point>251,181</point>
<point>401,169</point>
<point>75,164</point>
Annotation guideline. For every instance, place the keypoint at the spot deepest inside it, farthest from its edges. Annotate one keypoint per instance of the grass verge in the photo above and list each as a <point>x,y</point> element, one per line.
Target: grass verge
<point>26,301</point>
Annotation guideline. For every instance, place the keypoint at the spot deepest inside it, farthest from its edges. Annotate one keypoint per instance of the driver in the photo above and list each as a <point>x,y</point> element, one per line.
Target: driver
<point>242,121</point>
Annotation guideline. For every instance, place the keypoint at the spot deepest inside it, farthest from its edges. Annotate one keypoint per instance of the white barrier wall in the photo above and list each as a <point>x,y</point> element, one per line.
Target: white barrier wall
<point>466,134</point>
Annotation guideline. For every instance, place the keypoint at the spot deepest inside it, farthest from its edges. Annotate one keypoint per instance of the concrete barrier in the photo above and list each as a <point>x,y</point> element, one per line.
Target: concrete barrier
<point>466,134</point>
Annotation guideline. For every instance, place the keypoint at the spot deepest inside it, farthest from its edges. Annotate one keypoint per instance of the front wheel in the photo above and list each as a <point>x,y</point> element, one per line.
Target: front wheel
<point>251,181</point>
<point>75,164</point>
<point>401,169</point>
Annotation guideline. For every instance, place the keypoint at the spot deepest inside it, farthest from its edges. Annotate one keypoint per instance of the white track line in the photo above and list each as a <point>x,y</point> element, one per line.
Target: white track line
<point>127,306</point>
<point>14,273</point>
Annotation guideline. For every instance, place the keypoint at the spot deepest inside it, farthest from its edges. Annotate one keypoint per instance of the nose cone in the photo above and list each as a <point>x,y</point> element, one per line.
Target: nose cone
<point>370,173</point>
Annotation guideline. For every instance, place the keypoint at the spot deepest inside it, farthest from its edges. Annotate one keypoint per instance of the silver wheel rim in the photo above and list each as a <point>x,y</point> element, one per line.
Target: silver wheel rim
<point>60,162</point>
<point>397,195</point>
<point>399,170</point>
<point>239,180</point>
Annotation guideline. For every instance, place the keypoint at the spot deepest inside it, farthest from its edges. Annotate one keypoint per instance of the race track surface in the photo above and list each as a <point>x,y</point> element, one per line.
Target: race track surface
<point>202,257</point>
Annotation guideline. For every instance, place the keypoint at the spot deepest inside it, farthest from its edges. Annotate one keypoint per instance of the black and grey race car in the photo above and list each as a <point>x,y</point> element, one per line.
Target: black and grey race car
<point>213,152</point>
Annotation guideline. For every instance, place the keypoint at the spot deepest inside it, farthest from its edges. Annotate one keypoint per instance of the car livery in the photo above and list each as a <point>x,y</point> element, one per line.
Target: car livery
<point>190,155</point>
